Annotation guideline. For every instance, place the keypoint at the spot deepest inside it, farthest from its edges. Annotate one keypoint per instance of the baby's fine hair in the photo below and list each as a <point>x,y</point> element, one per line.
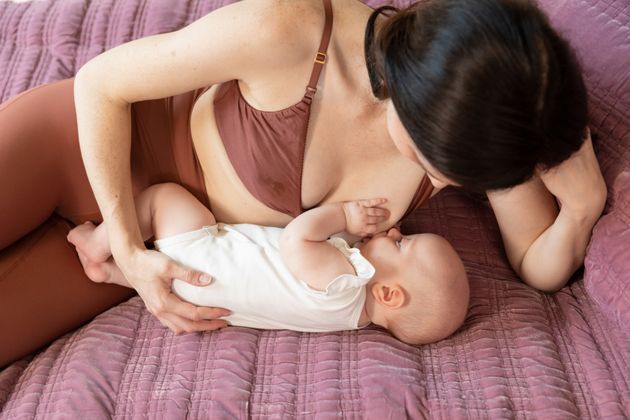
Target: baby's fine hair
<point>437,296</point>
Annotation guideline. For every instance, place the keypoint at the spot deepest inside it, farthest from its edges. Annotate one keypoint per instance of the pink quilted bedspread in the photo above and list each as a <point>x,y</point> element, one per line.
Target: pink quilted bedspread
<point>520,353</point>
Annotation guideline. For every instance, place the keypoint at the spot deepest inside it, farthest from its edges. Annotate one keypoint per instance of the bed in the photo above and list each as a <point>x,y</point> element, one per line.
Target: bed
<point>519,354</point>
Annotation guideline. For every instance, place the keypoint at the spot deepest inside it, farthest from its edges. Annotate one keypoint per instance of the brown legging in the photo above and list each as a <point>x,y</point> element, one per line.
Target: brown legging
<point>44,190</point>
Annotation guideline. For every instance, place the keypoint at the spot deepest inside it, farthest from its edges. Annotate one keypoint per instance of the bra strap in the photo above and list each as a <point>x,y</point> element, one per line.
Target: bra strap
<point>320,57</point>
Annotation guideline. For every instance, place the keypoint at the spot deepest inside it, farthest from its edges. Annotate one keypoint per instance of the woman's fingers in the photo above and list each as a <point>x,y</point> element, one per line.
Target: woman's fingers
<point>181,325</point>
<point>196,278</point>
<point>152,274</point>
<point>212,313</point>
<point>174,305</point>
<point>194,319</point>
<point>180,316</point>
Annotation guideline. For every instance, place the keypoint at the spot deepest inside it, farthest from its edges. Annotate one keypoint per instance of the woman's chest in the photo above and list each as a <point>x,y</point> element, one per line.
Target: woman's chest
<point>344,154</point>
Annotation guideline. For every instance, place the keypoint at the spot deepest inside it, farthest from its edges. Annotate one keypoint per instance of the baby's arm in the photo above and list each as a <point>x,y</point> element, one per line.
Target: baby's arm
<point>304,247</point>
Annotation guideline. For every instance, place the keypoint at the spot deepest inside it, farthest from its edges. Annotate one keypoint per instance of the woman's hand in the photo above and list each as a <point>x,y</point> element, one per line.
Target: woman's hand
<point>545,246</point>
<point>151,274</point>
<point>578,184</point>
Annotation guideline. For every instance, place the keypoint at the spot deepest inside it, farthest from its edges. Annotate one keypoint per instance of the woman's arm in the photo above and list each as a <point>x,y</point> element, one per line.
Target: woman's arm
<point>304,247</point>
<point>545,243</point>
<point>230,43</point>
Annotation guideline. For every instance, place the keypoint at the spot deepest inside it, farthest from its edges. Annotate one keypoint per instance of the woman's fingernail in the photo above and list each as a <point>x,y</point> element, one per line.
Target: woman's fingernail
<point>205,279</point>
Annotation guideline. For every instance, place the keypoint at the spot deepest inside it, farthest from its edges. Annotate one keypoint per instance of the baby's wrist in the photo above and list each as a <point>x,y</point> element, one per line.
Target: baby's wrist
<point>345,211</point>
<point>347,217</point>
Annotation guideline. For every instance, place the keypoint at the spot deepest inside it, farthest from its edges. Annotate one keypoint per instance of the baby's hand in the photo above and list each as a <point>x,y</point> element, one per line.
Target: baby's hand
<point>362,216</point>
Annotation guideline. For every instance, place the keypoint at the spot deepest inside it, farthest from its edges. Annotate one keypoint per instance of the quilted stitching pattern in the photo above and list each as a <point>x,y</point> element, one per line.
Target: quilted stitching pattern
<point>605,56</point>
<point>519,354</point>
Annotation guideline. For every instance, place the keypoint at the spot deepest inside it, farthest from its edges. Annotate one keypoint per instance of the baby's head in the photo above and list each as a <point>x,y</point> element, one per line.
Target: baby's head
<point>420,290</point>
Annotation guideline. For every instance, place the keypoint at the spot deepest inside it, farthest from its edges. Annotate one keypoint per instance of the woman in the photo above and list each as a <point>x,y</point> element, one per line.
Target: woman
<point>261,149</point>
<point>493,101</point>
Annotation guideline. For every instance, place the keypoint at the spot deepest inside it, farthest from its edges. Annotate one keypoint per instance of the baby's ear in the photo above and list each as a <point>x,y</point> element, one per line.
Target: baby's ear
<point>390,296</point>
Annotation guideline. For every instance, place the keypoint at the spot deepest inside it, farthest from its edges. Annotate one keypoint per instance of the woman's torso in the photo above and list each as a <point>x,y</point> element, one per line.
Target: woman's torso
<point>348,153</point>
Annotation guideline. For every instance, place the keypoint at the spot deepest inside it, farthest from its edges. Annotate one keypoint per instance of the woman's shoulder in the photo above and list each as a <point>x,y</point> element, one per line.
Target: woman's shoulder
<point>281,25</point>
<point>270,36</point>
<point>294,24</point>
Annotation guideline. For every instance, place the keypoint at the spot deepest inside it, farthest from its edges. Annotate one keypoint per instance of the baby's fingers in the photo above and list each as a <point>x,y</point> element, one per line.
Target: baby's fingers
<point>374,220</point>
<point>373,202</point>
<point>377,212</point>
<point>367,230</point>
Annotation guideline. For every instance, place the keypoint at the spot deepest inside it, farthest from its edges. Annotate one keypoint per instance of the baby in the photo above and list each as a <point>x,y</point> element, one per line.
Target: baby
<point>299,278</point>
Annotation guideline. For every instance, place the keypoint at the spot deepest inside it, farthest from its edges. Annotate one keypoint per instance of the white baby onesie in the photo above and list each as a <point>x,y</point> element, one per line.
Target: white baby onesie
<point>250,279</point>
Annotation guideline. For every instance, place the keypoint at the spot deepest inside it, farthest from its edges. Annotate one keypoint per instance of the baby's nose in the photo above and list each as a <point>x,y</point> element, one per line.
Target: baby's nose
<point>394,234</point>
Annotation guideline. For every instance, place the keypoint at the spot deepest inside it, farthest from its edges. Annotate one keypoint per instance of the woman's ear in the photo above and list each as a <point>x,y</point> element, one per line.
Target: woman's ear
<point>392,297</point>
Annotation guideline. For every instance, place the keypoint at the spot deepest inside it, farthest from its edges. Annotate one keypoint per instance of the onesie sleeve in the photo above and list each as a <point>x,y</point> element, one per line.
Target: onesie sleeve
<point>364,270</point>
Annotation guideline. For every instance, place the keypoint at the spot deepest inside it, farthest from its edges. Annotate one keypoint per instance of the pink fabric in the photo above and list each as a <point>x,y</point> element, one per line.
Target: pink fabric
<point>520,353</point>
<point>600,30</point>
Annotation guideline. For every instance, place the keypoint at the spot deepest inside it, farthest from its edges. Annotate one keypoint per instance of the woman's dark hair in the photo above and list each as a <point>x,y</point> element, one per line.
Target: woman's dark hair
<point>486,89</point>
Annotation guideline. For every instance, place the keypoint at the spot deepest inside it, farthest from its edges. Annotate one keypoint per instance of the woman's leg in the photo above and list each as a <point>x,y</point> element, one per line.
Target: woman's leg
<point>43,289</point>
<point>44,292</point>
<point>33,130</point>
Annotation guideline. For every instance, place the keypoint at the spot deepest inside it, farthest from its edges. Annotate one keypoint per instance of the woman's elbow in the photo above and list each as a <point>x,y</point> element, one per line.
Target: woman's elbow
<point>85,75</point>
<point>548,278</point>
<point>547,285</point>
<point>86,85</point>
